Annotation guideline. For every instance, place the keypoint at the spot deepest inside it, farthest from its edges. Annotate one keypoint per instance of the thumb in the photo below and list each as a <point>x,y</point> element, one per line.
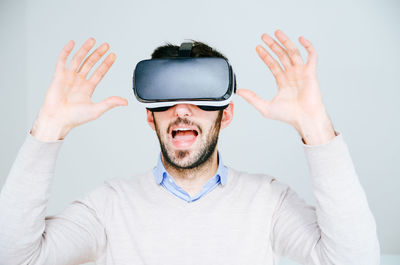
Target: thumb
<point>260,104</point>
<point>109,103</point>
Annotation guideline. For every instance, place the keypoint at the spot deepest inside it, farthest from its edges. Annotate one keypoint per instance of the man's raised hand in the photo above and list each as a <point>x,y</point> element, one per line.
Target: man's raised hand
<point>68,101</point>
<point>298,101</point>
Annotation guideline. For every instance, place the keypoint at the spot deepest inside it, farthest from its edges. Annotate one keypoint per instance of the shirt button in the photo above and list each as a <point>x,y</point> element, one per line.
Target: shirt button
<point>170,180</point>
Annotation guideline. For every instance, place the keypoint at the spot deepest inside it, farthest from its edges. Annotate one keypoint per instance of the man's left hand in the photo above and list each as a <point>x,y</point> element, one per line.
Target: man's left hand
<point>299,100</point>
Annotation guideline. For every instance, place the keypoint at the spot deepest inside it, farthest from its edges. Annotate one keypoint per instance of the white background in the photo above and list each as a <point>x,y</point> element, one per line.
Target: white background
<point>358,68</point>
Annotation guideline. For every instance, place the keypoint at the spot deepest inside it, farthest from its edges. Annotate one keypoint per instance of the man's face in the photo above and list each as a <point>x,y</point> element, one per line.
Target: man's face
<point>187,135</point>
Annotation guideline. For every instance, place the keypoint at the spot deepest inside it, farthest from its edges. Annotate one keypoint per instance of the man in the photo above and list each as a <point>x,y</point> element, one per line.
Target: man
<point>190,209</point>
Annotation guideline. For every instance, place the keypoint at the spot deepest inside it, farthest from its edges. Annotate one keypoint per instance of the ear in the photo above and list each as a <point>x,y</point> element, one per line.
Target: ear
<point>150,119</point>
<point>227,116</point>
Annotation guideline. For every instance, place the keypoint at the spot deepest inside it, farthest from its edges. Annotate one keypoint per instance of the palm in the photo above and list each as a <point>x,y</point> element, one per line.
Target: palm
<point>74,100</point>
<point>300,97</point>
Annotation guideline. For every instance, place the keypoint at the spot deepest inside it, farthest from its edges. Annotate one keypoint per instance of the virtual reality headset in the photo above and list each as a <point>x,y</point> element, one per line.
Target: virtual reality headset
<point>208,82</point>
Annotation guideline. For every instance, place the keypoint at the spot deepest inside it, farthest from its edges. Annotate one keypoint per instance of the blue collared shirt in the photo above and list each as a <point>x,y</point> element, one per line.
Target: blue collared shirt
<point>164,179</point>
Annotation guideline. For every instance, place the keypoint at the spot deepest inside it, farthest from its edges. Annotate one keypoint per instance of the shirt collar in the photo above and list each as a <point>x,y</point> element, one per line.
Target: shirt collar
<point>160,172</point>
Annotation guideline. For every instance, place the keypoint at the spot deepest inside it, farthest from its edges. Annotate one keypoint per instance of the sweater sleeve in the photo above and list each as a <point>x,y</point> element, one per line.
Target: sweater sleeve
<point>27,236</point>
<point>340,229</point>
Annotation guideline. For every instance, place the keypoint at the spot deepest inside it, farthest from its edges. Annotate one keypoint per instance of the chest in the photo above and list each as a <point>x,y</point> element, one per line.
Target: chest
<point>218,235</point>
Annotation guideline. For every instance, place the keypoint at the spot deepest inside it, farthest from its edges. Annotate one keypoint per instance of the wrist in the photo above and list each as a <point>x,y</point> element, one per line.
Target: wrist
<point>316,131</point>
<point>47,130</point>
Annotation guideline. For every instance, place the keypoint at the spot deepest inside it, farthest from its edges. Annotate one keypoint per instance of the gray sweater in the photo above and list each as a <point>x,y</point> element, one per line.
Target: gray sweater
<point>253,219</point>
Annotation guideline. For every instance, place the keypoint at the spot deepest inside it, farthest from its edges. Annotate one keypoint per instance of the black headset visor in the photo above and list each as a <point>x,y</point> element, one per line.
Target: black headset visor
<point>208,82</point>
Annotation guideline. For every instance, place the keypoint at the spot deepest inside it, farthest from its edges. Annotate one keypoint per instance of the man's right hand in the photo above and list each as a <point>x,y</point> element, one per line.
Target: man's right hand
<point>68,102</point>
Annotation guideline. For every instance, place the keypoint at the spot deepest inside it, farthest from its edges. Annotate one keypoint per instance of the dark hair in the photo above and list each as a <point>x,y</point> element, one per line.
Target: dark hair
<point>199,49</point>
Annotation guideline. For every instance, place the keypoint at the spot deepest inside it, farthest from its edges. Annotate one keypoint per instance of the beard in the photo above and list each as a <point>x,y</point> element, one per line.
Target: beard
<point>201,155</point>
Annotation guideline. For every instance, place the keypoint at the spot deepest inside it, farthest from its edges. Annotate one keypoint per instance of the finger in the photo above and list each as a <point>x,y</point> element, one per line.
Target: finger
<point>83,51</point>
<point>277,49</point>
<point>102,70</point>
<point>62,58</point>
<point>293,52</point>
<point>107,104</point>
<point>273,65</point>
<point>312,54</point>
<point>93,59</point>
<point>260,104</point>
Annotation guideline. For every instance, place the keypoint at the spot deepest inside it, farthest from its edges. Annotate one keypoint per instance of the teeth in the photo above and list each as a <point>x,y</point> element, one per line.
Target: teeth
<point>182,129</point>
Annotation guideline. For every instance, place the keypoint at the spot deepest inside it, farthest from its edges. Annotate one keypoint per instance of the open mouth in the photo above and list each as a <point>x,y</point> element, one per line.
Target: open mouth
<point>183,137</point>
<point>184,133</point>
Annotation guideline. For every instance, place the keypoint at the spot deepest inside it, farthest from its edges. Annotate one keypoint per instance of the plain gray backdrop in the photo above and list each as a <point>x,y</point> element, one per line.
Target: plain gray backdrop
<point>357,43</point>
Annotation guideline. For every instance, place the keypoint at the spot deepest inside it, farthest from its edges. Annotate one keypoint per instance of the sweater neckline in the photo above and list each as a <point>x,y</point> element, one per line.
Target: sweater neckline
<point>219,192</point>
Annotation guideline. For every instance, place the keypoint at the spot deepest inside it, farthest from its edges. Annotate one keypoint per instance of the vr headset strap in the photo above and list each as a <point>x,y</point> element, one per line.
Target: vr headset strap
<point>185,49</point>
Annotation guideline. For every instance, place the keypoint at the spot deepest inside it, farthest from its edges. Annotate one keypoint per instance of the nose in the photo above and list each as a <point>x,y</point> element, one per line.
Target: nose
<point>182,110</point>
